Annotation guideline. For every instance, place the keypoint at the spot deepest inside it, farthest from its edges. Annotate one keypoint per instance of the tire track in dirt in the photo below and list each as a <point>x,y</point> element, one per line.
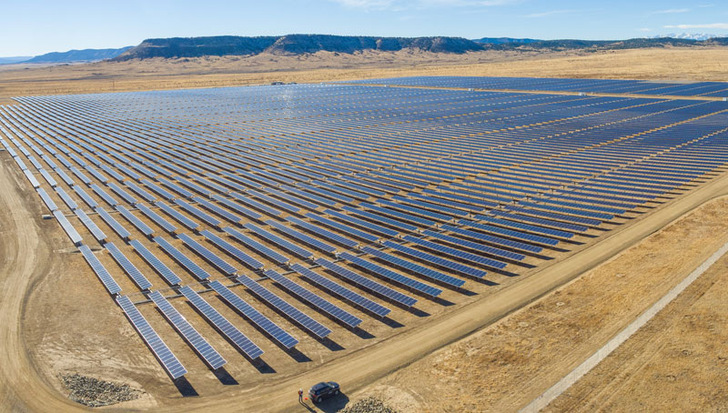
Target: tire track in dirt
<point>26,258</point>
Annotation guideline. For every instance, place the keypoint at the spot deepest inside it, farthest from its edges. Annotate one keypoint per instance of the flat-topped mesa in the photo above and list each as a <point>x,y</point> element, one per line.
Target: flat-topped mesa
<point>179,47</point>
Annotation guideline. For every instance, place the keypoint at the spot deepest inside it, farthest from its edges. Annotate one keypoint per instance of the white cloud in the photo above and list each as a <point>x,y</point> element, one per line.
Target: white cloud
<point>549,13</point>
<point>644,29</point>
<point>671,11</point>
<point>366,4</point>
<point>722,26</point>
<point>419,4</point>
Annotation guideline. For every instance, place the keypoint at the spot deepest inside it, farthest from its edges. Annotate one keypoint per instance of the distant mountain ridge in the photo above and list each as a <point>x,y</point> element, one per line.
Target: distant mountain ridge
<point>504,40</point>
<point>86,55</point>
<point>182,47</point>
<point>291,44</point>
<point>297,44</point>
<point>14,59</point>
<point>692,36</point>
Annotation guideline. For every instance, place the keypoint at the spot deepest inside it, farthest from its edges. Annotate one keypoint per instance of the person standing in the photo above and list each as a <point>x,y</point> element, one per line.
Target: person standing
<point>300,395</point>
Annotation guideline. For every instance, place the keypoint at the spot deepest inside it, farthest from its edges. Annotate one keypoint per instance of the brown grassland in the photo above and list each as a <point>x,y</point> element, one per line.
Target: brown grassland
<point>677,361</point>
<point>654,64</point>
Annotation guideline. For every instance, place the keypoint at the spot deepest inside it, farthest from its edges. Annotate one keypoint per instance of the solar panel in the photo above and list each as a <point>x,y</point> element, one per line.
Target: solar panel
<point>52,182</point>
<point>377,218</point>
<point>392,276</point>
<point>185,329</point>
<point>154,262</point>
<point>227,329</point>
<point>455,253</point>
<point>493,239</point>
<point>182,259</point>
<point>258,247</point>
<point>80,175</point>
<point>525,227</point>
<point>66,198</point>
<point>166,225</point>
<point>219,211</point>
<point>140,191</point>
<point>344,228</point>
<point>47,199</point>
<point>314,300</point>
<point>339,239</point>
<point>176,188</point>
<point>280,204</point>
<point>171,364</point>
<point>256,205</point>
<point>556,216</point>
<point>64,176</point>
<point>68,228</point>
<point>106,197</point>
<point>86,198</point>
<point>98,268</point>
<point>511,233</point>
<point>209,219</point>
<point>341,291</point>
<point>113,223</point>
<point>95,230</point>
<point>272,329</point>
<point>113,173</point>
<point>190,224</point>
<point>367,283</point>
<point>475,246</point>
<point>433,259</point>
<point>571,211</point>
<point>303,237</point>
<point>521,214</point>
<point>233,251</point>
<point>280,242</point>
<point>141,226</point>
<point>292,199</point>
<point>303,194</point>
<point>250,214</point>
<point>284,307</point>
<point>420,211</point>
<point>208,255</point>
<point>429,273</point>
<point>132,271</point>
<point>122,193</point>
<point>159,190</point>
<point>328,194</point>
<point>400,215</point>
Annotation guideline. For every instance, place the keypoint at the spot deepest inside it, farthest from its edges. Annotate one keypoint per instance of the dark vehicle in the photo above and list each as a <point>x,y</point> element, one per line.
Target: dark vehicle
<point>323,390</point>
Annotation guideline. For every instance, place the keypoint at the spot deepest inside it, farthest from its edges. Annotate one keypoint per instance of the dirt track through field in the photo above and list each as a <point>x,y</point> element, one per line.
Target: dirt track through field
<point>575,375</point>
<point>26,258</point>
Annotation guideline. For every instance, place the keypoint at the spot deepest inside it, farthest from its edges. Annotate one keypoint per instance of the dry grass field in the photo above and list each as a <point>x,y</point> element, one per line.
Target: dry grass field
<point>657,64</point>
<point>506,364</point>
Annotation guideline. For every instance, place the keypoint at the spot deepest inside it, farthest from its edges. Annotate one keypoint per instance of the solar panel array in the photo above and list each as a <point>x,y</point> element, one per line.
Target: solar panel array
<point>303,207</point>
<point>634,87</point>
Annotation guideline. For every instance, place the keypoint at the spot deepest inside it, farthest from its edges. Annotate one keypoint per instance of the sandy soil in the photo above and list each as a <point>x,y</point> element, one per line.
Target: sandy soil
<point>658,64</point>
<point>677,362</point>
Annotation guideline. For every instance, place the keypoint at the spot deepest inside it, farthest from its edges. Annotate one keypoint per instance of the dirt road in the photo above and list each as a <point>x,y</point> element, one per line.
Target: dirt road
<point>677,362</point>
<point>26,258</point>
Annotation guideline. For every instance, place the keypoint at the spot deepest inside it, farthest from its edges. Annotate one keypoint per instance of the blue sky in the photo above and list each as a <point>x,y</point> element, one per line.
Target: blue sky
<point>32,27</point>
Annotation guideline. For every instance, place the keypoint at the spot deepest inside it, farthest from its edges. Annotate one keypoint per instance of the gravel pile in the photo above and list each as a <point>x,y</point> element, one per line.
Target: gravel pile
<point>368,405</point>
<point>95,393</point>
